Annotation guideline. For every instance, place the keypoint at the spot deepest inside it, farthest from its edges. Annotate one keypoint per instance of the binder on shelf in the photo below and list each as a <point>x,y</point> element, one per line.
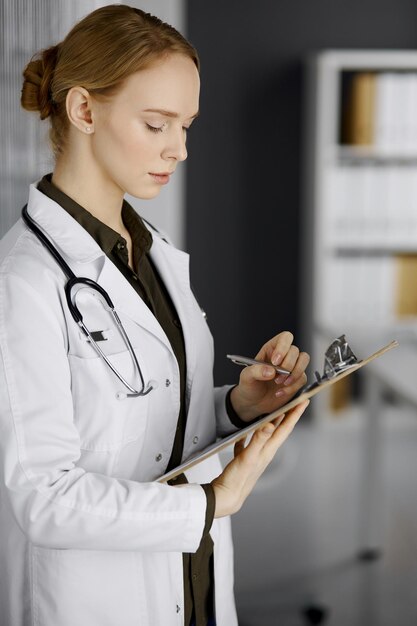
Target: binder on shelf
<point>360,290</point>
<point>385,112</point>
<point>379,112</point>
<point>371,206</point>
<point>360,112</point>
<point>406,289</point>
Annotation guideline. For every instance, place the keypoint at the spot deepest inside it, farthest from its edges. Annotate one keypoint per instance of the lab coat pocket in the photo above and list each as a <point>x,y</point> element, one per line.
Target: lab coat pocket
<point>79,587</point>
<point>105,421</point>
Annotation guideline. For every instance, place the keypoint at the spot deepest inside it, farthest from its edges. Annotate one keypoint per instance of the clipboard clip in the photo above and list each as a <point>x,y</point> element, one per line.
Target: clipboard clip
<point>338,357</point>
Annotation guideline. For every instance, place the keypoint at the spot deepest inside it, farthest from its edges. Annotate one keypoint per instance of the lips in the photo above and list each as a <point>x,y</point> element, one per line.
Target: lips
<point>161,178</point>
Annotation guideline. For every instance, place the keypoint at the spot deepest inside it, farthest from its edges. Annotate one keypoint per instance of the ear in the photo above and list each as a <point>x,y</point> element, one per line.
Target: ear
<point>78,104</point>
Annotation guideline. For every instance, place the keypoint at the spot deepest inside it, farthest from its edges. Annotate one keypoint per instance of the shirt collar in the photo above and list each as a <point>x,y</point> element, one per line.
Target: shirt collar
<point>103,235</point>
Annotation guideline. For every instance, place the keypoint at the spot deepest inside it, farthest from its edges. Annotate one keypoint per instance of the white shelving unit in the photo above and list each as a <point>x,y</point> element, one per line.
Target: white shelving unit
<point>360,198</point>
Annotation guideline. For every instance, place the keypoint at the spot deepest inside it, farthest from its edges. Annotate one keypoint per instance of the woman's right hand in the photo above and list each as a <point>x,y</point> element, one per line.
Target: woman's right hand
<point>240,476</point>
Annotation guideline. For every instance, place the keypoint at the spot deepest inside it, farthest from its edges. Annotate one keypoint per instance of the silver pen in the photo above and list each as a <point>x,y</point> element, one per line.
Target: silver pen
<point>244,360</point>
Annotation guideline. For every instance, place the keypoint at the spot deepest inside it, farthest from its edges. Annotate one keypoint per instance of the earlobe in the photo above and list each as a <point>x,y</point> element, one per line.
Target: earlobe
<point>78,109</point>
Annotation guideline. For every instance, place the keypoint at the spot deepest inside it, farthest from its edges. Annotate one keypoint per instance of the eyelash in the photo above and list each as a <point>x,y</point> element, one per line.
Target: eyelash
<point>160,129</point>
<point>155,129</point>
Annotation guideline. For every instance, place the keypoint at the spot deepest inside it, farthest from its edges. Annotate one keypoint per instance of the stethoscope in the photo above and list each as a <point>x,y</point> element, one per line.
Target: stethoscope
<point>104,298</point>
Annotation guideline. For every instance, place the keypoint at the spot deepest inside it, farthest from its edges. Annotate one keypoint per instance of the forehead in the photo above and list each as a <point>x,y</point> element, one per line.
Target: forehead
<point>172,84</point>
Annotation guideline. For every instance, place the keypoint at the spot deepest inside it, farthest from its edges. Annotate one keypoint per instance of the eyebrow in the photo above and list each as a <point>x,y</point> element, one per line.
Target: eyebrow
<point>169,113</point>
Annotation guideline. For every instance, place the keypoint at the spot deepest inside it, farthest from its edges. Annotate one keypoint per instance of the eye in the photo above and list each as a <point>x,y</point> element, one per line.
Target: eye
<point>156,129</point>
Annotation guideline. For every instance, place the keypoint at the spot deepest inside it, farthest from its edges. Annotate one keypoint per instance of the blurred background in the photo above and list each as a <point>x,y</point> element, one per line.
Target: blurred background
<point>298,205</point>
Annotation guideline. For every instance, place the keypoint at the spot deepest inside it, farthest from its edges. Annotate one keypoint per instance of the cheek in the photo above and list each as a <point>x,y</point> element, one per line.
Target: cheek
<point>123,144</point>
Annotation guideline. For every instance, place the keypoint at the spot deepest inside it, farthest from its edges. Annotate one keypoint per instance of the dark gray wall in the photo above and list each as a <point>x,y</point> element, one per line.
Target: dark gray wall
<point>244,170</point>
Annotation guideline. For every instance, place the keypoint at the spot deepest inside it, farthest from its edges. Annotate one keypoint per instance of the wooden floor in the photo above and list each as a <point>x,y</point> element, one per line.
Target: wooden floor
<point>297,538</point>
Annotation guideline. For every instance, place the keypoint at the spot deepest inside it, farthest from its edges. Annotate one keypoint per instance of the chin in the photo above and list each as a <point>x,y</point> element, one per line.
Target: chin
<point>144,194</point>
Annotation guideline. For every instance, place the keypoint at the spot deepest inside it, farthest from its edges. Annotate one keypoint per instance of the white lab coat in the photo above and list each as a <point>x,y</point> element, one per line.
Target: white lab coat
<point>87,536</point>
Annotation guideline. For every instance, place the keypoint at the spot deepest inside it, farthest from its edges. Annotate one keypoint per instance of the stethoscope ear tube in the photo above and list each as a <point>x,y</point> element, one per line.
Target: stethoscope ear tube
<point>45,241</point>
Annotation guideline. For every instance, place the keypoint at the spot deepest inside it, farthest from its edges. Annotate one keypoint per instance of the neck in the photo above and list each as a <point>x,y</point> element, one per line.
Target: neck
<point>89,188</point>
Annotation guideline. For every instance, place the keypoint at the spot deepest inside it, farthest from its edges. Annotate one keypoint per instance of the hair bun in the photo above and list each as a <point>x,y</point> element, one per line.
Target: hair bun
<point>36,90</point>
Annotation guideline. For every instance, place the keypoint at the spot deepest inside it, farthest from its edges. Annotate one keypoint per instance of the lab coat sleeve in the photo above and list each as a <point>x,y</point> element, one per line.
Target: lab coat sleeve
<point>56,503</point>
<point>224,424</point>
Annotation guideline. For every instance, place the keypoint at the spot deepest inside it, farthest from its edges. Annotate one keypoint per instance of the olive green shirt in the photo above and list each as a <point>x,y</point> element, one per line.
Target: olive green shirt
<point>145,279</point>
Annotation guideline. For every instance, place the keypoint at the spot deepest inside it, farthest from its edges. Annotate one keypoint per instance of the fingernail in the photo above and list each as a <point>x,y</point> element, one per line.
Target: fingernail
<point>289,380</point>
<point>268,371</point>
<point>280,392</point>
<point>280,378</point>
<point>276,359</point>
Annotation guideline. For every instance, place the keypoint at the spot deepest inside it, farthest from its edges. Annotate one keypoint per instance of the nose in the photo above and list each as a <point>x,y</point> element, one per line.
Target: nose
<point>176,146</point>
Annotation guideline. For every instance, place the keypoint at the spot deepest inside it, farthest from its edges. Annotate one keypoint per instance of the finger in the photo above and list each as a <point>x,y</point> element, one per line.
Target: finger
<point>277,421</point>
<point>280,434</point>
<point>291,389</point>
<point>293,415</point>
<point>259,438</point>
<point>239,446</point>
<point>288,363</point>
<point>298,369</point>
<point>276,348</point>
<point>291,358</point>
<point>287,391</point>
<point>257,372</point>
<point>285,428</point>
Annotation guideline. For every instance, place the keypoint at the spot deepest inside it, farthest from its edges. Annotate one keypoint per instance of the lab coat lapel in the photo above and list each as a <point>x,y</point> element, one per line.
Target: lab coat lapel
<point>173,267</point>
<point>126,300</point>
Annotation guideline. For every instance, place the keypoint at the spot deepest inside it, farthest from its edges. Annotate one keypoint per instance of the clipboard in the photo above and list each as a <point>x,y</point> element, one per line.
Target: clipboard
<point>221,444</point>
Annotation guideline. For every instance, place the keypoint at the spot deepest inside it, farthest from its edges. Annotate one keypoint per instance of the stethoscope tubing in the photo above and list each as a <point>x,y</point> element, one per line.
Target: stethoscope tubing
<point>74,280</point>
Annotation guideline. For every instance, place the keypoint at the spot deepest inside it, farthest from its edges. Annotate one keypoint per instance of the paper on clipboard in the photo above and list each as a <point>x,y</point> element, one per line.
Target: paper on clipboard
<point>244,432</point>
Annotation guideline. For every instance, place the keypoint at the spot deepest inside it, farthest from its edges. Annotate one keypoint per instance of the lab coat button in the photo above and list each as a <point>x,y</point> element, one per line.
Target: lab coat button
<point>178,609</point>
<point>167,382</point>
<point>158,457</point>
<point>195,440</point>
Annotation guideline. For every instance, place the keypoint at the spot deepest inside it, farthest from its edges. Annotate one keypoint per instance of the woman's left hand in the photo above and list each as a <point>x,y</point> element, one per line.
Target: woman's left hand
<point>261,390</point>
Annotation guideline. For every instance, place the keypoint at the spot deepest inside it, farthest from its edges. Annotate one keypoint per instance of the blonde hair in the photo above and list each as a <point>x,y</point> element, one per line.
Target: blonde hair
<point>99,53</point>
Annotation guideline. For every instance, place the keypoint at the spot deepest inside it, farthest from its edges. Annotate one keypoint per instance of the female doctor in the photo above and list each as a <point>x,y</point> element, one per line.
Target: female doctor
<point>91,412</point>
